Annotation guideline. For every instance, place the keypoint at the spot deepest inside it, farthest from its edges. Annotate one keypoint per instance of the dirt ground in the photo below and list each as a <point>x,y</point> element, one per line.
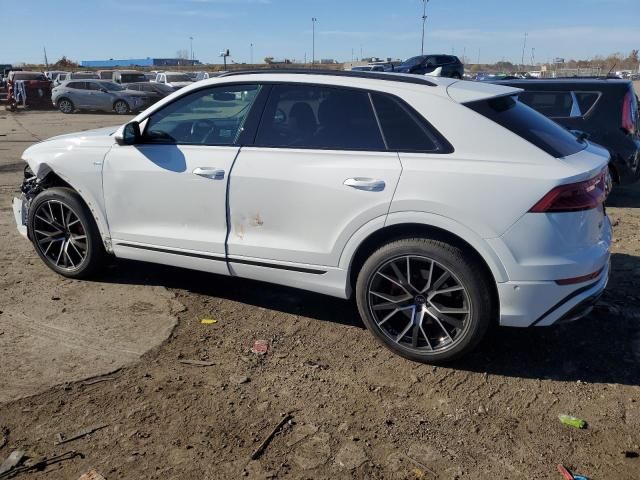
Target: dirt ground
<point>358,410</point>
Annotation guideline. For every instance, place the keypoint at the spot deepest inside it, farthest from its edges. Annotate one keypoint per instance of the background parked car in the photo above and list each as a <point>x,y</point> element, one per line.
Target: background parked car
<point>378,67</point>
<point>156,91</point>
<point>175,80</point>
<point>100,95</point>
<point>105,74</point>
<point>604,111</point>
<point>207,75</point>
<point>422,64</point>
<point>63,77</point>
<point>129,76</point>
<point>30,89</point>
<point>52,74</point>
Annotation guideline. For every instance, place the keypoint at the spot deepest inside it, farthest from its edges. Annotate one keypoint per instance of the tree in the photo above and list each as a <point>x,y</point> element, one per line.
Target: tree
<point>268,60</point>
<point>64,63</point>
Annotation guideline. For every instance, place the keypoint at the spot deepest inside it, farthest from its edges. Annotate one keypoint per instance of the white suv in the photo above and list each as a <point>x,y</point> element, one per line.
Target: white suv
<point>442,206</point>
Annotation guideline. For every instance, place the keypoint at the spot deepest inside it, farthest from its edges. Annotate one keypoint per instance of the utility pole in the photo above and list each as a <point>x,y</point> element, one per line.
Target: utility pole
<point>251,53</point>
<point>191,49</point>
<point>313,46</point>
<point>46,61</point>
<point>533,56</point>
<point>524,45</point>
<point>424,20</point>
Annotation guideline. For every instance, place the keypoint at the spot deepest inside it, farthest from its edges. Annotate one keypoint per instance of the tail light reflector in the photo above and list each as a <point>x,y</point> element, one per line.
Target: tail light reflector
<point>629,113</point>
<point>575,197</point>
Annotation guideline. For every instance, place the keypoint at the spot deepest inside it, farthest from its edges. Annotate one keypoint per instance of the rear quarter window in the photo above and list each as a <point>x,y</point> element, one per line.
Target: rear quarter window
<point>528,124</point>
<point>551,104</point>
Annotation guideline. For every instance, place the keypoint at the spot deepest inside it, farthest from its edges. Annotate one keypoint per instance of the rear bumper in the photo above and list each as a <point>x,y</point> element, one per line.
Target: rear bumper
<point>539,304</point>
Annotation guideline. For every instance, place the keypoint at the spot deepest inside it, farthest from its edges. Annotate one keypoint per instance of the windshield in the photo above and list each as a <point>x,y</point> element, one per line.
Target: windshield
<point>528,124</point>
<point>112,87</point>
<point>413,61</point>
<point>178,78</point>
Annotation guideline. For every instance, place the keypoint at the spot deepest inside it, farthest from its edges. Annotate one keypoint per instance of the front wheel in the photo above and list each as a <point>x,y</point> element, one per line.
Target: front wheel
<point>65,105</point>
<point>425,299</point>
<point>121,107</point>
<point>65,234</point>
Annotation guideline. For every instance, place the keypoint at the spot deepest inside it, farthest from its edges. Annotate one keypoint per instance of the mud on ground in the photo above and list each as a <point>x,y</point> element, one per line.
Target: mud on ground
<point>358,410</point>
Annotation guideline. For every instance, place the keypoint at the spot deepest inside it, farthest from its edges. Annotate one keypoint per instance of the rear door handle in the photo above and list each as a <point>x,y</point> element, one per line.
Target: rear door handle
<point>367,184</point>
<point>212,173</point>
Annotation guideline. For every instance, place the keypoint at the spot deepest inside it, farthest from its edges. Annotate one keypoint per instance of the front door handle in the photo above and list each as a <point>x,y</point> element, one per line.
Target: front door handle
<point>212,173</point>
<point>367,184</point>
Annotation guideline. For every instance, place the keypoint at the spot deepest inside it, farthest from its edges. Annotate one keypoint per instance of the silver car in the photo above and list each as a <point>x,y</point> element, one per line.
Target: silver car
<point>73,95</point>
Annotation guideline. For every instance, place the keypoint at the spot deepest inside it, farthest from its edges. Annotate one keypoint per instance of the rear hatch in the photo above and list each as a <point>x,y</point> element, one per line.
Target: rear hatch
<point>565,234</point>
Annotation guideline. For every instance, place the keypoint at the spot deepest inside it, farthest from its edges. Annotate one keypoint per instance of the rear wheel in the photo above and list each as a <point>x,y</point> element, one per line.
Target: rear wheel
<point>65,105</point>
<point>424,299</point>
<point>121,107</point>
<point>65,234</point>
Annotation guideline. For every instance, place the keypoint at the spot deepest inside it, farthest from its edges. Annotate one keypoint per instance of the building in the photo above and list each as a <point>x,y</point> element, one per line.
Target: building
<point>139,62</point>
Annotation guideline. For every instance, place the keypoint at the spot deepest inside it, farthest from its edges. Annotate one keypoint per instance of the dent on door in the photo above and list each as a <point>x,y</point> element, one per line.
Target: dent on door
<point>302,206</point>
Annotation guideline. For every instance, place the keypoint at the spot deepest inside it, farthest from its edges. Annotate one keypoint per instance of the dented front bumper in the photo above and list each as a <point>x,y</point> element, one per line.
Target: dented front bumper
<point>21,214</point>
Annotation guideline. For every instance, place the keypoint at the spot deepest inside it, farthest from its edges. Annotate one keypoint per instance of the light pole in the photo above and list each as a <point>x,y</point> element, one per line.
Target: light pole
<point>524,45</point>
<point>252,53</point>
<point>191,47</point>
<point>313,45</point>
<point>424,20</point>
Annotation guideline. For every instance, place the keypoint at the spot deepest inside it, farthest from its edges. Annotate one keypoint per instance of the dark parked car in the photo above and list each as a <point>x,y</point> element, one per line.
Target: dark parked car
<point>603,111</point>
<point>422,64</point>
<point>129,76</point>
<point>156,91</point>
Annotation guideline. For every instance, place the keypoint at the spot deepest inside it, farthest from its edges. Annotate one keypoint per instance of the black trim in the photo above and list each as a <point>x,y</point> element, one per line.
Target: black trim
<point>229,260</point>
<point>388,76</point>
<point>280,267</point>
<point>165,250</point>
<point>566,299</point>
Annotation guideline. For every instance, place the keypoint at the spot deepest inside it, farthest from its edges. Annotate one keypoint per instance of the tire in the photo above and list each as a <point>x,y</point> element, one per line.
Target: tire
<point>65,234</point>
<point>121,107</point>
<point>66,106</point>
<point>432,336</point>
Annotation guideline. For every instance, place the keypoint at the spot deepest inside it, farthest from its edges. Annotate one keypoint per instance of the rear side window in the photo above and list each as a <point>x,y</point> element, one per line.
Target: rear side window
<point>77,85</point>
<point>532,126</point>
<point>586,100</point>
<point>308,116</point>
<point>401,129</point>
<point>551,104</point>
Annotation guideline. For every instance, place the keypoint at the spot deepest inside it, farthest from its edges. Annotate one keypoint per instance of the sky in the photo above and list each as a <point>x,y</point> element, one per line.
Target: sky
<point>488,30</point>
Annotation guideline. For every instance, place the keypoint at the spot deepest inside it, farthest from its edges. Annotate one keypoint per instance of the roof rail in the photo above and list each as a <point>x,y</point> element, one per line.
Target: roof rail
<point>388,76</point>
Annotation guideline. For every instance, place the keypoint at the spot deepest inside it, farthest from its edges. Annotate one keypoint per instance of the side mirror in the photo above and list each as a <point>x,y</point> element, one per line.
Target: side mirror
<point>130,134</point>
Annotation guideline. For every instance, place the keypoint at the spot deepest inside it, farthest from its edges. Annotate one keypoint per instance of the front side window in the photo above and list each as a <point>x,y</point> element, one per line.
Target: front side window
<point>401,129</point>
<point>212,116</point>
<point>308,116</point>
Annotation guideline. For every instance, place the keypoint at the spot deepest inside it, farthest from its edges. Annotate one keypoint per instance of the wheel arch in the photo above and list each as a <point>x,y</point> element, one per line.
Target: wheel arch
<point>405,225</point>
<point>49,178</point>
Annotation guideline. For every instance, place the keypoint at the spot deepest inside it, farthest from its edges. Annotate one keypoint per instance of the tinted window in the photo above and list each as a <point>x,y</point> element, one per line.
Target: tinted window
<point>132,77</point>
<point>77,85</point>
<point>400,127</point>
<point>94,86</point>
<point>213,116</point>
<point>319,117</point>
<point>551,104</point>
<point>443,60</point>
<point>586,100</point>
<point>529,124</point>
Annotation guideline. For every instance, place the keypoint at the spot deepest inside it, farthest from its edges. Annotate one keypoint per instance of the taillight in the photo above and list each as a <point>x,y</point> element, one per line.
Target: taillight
<point>629,113</point>
<point>575,196</point>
